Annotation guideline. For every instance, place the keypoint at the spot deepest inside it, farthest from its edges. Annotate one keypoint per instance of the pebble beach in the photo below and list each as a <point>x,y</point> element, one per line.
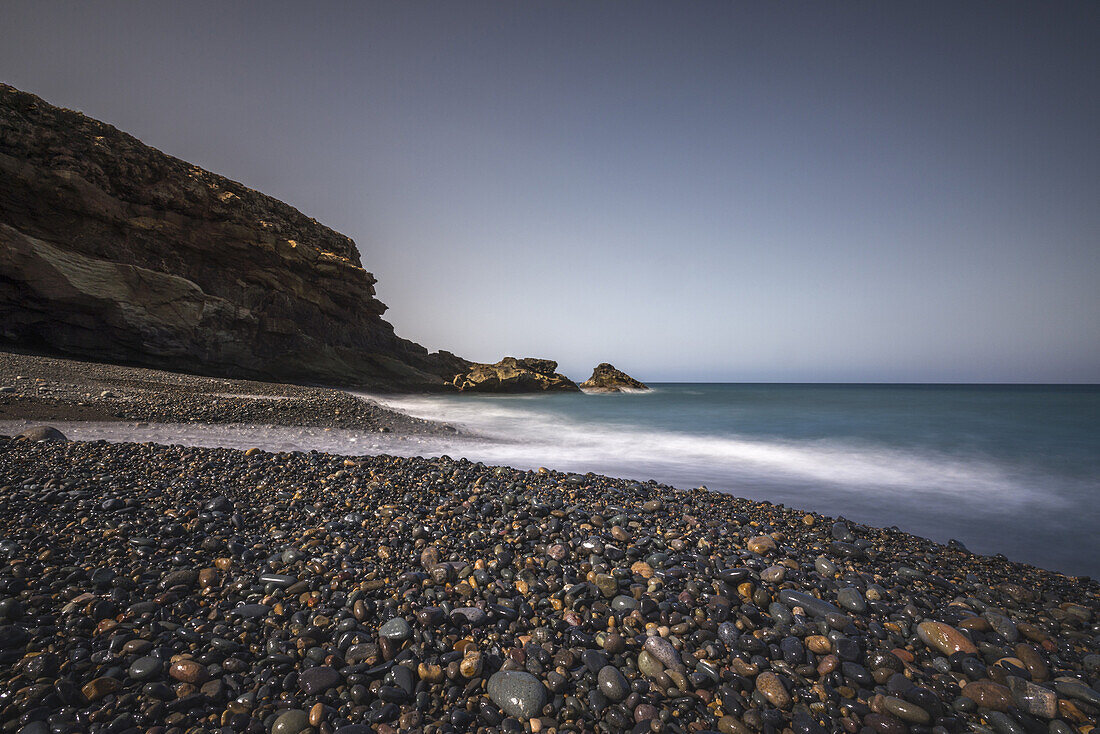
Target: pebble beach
<point>151,588</point>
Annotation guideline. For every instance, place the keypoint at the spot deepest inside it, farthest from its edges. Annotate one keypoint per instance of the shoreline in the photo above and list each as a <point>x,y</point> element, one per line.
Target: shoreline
<point>302,591</point>
<point>40,388</point>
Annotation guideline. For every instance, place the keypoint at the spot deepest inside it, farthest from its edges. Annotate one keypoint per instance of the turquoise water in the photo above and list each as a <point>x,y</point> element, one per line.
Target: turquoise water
<point>1004,469</point>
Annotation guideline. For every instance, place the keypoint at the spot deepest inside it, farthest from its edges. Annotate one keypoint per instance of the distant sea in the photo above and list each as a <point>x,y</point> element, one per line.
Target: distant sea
<point>1012,469</point>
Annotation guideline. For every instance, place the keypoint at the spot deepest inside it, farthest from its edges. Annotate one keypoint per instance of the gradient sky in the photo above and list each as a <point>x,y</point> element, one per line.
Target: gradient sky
<point>857,191</point>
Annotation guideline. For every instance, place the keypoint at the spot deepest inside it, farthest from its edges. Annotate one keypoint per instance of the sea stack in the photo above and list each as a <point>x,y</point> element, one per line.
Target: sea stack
<point>514,375</point>
<point>605,378</point>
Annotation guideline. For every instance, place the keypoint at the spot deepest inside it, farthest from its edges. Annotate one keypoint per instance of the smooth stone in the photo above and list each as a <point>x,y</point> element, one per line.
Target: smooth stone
<point>517,693</point>
<point>769,684</point>
<point>318,680</point>
<point>250,611</point>
<point>100,687</point>
<point>1076,689</point>
<point>291,722</point>
<point>470,615</point>
<point>778,612</point>
<point>607,585</point>
<point>813,606</point>
<point>885,724</point>
<point>988,694</point>
<point>145,668</point>
<point>1033,699</point>
<point>761,544</point>
<point>277,579</point>
<point>649,665</point>
<point>397,629</point>
<point>1003,626</point>
<point>612,683</point>
<point>945,638</point>
<point>624,604</point>
<point>906,711</point>
<point>1003,723</point>
<point>1034,662</point>
<point>188,671</point>
<point>840,531</point>
<point>851,599</point>
<point>731,725</point>
<point>663,650</point>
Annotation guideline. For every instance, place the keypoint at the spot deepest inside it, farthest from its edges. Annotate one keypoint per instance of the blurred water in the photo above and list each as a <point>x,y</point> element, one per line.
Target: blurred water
<point>1004,469</point>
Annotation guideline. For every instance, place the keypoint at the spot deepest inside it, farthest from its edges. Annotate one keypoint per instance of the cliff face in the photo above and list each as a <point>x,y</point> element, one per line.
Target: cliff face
<point>112,250</point>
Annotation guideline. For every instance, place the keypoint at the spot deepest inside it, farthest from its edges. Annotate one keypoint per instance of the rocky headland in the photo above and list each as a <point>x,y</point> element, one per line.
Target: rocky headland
<point>114,251</point>
<point>167,589</point>
<point>605,378</point>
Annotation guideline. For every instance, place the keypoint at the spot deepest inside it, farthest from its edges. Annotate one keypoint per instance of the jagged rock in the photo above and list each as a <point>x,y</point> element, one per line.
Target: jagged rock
<point>605,378</point>
<point>514,375</point>
<point>112,250</point>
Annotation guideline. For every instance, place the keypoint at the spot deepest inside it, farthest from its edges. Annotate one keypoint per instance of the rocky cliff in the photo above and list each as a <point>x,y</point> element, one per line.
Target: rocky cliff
<point>605,378</point>
<point>514,375</point>
<point>112,250</point>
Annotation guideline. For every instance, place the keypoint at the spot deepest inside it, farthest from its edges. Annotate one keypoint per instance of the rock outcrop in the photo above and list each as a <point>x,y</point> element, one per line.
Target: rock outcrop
<point>605,378</point>
<point>112,250</point>
<point>514,375</point>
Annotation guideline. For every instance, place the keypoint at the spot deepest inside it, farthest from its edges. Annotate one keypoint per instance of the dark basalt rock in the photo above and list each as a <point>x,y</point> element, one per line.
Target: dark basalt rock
<point>605,378</point>
<point>112,250</point>
<point>514,375</point>
<point>42,433</point>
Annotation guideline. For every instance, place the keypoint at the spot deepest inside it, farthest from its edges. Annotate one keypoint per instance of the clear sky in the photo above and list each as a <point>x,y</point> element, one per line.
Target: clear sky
<point>851,191</point>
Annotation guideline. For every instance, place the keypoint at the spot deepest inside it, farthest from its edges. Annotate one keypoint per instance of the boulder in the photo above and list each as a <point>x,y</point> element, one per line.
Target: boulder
<point>605,378</point>
<point>48,434</point>
<point>511,375</point>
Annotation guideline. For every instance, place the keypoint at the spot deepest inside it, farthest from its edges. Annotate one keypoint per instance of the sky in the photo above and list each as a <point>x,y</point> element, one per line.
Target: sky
<point>693,191</point>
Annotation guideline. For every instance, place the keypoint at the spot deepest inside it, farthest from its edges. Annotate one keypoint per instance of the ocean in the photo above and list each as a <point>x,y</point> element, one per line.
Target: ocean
<point>1003,469</point>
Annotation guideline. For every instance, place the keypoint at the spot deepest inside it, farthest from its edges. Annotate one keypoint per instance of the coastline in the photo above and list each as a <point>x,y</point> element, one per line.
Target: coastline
<point>275,592</point>
<point>44,388</point>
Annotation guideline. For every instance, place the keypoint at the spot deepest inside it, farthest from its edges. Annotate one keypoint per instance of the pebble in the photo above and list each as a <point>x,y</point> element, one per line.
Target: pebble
<point>1033,699</point>
<point>291,722</point>
<point>612,683</point>
<point>816,607</point>
<point>188,671</point>
<point>318,680</point>
<point>517,693</point>
<point>906,711</point>
<point>761,544</point>
<point>772,687</point>
<point>945,638</point>
<point>145,668</point>
<point>396,629</point>
<point>989,695</point>
<point>851,600</point>
<point>663,651</point>
<point>98,688</point>
<point>156,588</point>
